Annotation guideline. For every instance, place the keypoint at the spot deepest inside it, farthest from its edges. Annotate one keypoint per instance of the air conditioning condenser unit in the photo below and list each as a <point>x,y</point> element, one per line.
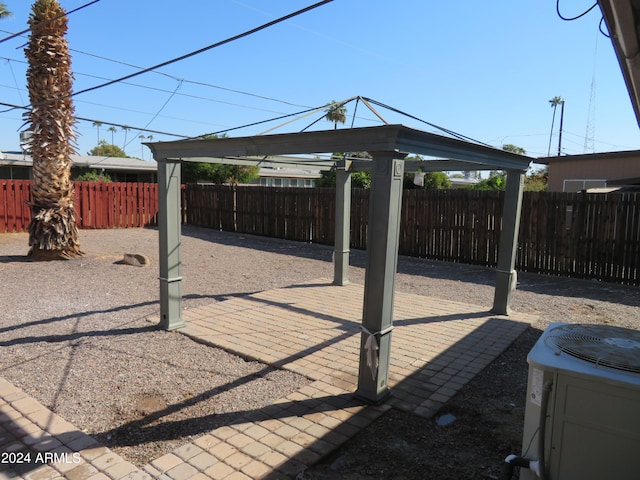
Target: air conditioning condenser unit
<point>582,417</point>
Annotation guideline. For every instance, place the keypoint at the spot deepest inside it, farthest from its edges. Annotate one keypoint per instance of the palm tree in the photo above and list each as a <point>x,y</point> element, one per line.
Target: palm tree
<point>555,101</point>
<point>113,130</point>
<point>53,233</point>
<point>97,125</point>
<point>126,131</point>
<point>3,11</point>
<point>142,138</point>
<point>336,112</point>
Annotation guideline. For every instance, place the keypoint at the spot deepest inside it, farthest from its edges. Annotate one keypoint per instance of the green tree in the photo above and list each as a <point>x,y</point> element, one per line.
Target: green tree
<point>193,172</point>
<point>358,179</point>
<point>3,11</point>
<point>92,175</point>
<point>53,233</point>
<point>219,174</point>
<point>336,113</point>
<point>327,179</point>
<point>105,149</point>
<point>508,147</point>
<point>496,181</point>
<point>537,180</point>
<point>432,180</point>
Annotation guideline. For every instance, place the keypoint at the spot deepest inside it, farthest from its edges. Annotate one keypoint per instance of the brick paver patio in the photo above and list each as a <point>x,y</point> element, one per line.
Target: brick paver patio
<point>313,329</point>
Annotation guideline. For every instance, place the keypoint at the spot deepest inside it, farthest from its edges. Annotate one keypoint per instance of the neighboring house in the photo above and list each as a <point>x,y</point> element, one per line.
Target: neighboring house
<point>286,177</point>
<point>457,182</point>
<point>18,166</point>
<point>610,170</point>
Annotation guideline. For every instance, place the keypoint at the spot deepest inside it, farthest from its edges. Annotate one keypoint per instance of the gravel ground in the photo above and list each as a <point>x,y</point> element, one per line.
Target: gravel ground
<point>74,335</point>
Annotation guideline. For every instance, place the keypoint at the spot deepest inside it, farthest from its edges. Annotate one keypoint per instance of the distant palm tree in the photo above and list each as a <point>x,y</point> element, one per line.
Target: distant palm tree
<point>53,233</point>
<point>113,130</point>
<point>97,125</point>
<point>3,11</point>
<point>126,131</point>
<point>142,138</point>
<point>555,101</point>
<point>336,113</point>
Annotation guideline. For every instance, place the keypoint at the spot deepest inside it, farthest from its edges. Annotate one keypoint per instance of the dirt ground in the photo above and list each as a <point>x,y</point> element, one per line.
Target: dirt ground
<point>468,439</point>
<point>90,321</point>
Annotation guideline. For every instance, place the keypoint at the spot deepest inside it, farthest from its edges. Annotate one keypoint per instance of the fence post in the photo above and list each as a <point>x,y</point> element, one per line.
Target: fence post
<point>169,188</point>
<point>343,223</point>
<point>506,275</point>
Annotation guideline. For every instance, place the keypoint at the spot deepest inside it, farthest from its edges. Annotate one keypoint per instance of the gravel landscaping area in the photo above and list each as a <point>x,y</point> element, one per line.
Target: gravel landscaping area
<point>75,335</point>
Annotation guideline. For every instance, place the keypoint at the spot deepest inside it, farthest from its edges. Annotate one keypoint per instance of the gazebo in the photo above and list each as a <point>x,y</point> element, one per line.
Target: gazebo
<point>388,146</point>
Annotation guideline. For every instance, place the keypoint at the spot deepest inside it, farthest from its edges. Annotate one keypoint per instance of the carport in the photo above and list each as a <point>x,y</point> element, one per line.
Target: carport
<point>388,145</point>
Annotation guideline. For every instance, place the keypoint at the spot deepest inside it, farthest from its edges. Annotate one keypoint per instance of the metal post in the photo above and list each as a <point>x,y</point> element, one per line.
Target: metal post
<point>169,223</point>
<point>385,203</point>
<point>343,223</point>
<point>506,276</point>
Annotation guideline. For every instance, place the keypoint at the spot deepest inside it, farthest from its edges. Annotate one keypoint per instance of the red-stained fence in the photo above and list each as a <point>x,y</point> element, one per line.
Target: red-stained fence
<point>98,204</point>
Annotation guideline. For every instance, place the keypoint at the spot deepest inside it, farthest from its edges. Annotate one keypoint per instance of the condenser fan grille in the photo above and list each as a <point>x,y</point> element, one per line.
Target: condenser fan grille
<point>613,347</point>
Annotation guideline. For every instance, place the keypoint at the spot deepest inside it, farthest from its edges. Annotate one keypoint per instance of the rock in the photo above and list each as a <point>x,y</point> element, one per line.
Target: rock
<point>136,259</point>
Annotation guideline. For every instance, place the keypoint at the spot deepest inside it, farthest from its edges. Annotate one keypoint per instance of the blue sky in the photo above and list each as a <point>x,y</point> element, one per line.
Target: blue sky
<point>483,69</point>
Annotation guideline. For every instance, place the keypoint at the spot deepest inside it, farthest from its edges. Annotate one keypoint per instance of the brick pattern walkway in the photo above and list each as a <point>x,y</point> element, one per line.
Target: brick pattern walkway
<point>313,329</point>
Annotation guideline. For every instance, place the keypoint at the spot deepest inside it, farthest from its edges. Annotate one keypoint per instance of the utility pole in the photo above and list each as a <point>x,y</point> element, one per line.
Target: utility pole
<point>560,133</point>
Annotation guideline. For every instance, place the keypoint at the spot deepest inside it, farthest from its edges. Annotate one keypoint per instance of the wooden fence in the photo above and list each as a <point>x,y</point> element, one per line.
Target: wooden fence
<point>98,205</point>
<point>569,234</point>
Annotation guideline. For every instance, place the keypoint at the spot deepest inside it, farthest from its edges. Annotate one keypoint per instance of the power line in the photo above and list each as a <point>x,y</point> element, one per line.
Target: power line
<point>194,82</point>
<point>208,47</point>
<point>163,90</point>
<point>84,119</point>
<point>48,21</point>
<point>173,77</point>
<point>442,129</point>
<point>570,19</point>
<point>204,49</point>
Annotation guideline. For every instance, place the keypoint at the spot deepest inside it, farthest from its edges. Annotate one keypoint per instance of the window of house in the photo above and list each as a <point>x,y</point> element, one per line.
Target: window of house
<point>578,185</point>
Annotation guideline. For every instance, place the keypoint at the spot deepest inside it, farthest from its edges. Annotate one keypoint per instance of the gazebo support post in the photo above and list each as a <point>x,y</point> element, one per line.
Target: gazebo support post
<point>343,223</point>
<point>385,202</point>
<point>169,223</point>
<point>506,276</point>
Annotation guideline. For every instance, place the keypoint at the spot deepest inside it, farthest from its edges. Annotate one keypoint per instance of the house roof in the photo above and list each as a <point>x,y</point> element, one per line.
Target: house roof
<point>89,161</point>
<point>448,154</point>
<point>289,173</point>
<point>621,17</point>
<point>628,154</point>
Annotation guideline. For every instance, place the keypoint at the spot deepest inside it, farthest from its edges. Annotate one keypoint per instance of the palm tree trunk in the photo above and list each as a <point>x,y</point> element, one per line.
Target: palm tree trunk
<point>553,120</point>
<point>52,232</point>
<point>560,133</point>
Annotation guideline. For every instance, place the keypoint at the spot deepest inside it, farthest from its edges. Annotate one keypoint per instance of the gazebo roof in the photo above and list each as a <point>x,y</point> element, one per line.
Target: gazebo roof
<point>447,154</point>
